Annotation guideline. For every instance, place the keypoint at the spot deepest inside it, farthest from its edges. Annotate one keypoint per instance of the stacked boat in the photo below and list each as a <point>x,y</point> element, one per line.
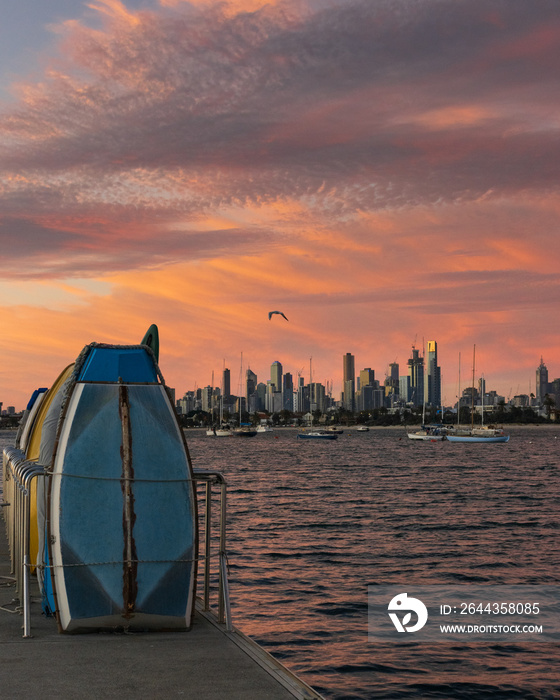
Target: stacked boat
<point>112,508</point>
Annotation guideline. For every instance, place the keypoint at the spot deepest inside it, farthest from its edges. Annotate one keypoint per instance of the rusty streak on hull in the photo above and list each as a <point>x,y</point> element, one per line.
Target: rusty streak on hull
<point>130,558</point>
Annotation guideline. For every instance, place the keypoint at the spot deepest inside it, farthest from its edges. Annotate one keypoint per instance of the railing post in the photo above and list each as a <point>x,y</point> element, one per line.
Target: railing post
<point>223,572</point>
<point>224,608</point>
<point>207,536</point>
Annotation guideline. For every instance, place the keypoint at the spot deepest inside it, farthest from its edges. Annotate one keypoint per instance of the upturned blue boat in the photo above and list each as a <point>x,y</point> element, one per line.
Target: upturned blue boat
<point>118,510</point>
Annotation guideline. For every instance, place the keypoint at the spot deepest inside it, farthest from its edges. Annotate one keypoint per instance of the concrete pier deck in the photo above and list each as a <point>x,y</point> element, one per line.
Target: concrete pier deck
<point>206,663</point>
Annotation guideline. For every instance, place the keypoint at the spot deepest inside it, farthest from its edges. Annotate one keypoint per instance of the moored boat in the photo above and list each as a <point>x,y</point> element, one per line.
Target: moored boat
<point>244,431</point>
<point>317,435</point>
<point>429,433</point>
<point>482,434</point>
<point>224,431</point>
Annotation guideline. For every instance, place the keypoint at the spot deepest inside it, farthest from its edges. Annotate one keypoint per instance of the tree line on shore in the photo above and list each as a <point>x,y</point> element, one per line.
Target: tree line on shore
<point>375,417</point>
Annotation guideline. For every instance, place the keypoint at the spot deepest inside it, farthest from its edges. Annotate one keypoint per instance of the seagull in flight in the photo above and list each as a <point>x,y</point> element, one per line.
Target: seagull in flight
<point>270,314</point>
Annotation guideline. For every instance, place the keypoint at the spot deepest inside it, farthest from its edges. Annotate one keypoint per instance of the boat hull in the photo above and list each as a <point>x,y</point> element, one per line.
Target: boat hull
<point>317,436</point>
<point>121,516</point>
<point>219,433</point>
<point>475,438</point>
<point>426,437</point>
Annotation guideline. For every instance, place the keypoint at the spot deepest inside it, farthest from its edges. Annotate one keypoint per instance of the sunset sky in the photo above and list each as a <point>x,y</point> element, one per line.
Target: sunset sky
<point>382,171</point>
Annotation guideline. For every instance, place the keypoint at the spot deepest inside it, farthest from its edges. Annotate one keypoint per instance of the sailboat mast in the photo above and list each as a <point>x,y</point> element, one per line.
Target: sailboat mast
<point>311,389</point>
<point>240,387</point>
<point>459,393</point>
<point>423,384</point>
<point>212,400</point>
<point>483,387</point>
<point>472,392</point>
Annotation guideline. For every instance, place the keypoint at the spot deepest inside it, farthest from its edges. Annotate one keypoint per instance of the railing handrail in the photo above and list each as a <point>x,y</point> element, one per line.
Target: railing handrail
<point>21,473</point>
<point>211,477</point>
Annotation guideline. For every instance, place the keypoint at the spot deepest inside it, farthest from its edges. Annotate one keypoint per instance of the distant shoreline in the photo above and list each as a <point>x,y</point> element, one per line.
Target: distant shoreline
<point>404,428</point>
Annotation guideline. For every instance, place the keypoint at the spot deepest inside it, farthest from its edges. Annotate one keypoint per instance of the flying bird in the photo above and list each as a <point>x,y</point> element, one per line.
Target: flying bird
<point>270,313</point>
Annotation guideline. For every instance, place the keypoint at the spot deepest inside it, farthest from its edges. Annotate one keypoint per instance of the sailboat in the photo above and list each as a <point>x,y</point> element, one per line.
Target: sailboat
<point>314,434</point>
<point>220,430</point>
<point>427,433</point>
<point>243,430</point>
<point>472,434</point>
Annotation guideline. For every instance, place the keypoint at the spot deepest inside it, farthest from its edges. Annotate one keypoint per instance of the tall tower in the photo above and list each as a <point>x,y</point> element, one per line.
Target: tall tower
<point>416,374</point>
<point>542,382</point>
<point>288,392</point>
<point>348,381</point>
<point>276,375</point>
<point>367,377</point>
<point>434,375</point>
<point>226,382</point>
<point>250,384</point>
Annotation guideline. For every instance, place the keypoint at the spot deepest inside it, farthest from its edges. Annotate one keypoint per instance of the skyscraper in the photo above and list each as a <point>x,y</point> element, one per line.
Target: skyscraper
<point>434,375</point>
<point>392,387</point>
<point>276,375</point>
<point>250,384</point>
<point>416,374</point>
<point>288,392</point>
<point>367,377</point>
<point>348,381</point>
<point>226,382</point>
<point>542,382</point>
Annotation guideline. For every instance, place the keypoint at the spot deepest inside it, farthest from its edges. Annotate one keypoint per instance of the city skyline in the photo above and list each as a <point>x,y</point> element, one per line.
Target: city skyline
<point>304,366</point>
<point>380,172</point>
<point>422,370</point>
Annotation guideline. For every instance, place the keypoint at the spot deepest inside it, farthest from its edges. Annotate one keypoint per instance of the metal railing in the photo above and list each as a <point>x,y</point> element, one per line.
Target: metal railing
<point>18,476</point>
<point>209,478</point>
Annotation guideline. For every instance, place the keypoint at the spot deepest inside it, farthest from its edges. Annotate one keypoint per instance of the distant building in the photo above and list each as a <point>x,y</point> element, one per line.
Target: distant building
<point>250,386</point>
<point>366,385</point>
<point>187,403</point>
<point>416,375</point>
<point>318,397</point>
<point>348,381</point>
<point>257,399</point>
<point>367,377</point>
<point>301,400</point>
<point>434,375</point>
<point>405,390</point>
<point>207,398</point>
<point>392,383</point>
<point>226,382</point>
<point>554,391</point>
<point>288,392</point>
<point>541,383</point>
<point>348,395</point>
<point>276,375</point>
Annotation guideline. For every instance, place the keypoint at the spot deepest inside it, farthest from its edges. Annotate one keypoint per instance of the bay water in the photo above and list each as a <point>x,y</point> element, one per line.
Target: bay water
<point>312,524</point>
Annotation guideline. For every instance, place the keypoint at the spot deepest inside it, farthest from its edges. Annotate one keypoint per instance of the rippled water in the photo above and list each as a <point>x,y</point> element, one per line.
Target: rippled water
<point>312,524</point>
